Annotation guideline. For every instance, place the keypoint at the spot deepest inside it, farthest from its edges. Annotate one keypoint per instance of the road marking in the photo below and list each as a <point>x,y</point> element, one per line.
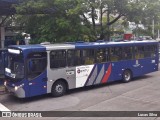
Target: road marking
<point>3,108</point>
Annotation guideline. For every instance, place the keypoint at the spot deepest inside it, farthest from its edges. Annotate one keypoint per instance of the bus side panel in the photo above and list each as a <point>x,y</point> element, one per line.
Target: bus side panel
<point>67,74</point>
<point>137,67</point>
<point>119,67</point>
<point>38,86</point>
<point>87,75</point>
<point>100,73</point>
<point>116,71</point>
<point>97,74</point>
<point>147,65</point>
<point>83,74</point>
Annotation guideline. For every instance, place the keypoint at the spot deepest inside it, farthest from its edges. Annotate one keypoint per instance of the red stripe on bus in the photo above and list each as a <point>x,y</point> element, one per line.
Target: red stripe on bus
<point>108,73</point>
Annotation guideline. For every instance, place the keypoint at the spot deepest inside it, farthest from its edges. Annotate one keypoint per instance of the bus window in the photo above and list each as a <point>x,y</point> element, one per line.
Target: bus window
<point>139,52</point>
<point>36,65</point>
<point>77,58</point>
<point>101,55</point>
<point>153,50</point>
<point>88,56</point>
<point>150,51</point>
<point>58,59</point>
<point>73,58</point>
<point>127,53</point>
<point>115,54</point>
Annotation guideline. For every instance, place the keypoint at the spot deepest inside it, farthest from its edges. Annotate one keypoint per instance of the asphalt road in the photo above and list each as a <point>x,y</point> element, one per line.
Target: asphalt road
<point>141,94</point>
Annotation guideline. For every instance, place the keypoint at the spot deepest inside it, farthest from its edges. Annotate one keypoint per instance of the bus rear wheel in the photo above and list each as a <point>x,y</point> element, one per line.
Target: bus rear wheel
<point>58,89</point>
<point>127,76</point>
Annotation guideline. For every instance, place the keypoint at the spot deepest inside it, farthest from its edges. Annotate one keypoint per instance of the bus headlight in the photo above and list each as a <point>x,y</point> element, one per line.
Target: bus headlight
<point>5,83</point>
<point>16,88</point>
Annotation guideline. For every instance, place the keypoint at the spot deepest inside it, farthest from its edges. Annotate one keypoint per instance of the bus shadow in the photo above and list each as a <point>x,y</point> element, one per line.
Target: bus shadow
<point>141,78</point>
<point>14,99</point>
<point>112,83</point>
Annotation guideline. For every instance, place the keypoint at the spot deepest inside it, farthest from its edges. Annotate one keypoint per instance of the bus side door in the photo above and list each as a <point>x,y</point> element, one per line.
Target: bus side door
<point>37,73</point>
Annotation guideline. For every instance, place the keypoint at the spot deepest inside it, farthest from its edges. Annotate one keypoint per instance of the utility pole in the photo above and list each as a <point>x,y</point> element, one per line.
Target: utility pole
<point>158,31</point>
<point>2,33</point>
<point>108,26</point>
<point>153,27</point>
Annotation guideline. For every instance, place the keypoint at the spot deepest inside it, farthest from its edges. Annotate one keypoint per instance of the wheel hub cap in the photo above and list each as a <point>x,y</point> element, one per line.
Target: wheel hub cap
<point>59,88</point>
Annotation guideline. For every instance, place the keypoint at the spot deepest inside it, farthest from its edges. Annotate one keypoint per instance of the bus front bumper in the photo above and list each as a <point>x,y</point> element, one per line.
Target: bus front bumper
<point>18,92</point>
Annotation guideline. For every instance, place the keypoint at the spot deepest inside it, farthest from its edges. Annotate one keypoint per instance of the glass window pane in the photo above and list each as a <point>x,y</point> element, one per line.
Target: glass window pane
<point>101,55</point>
<point>37,63</point>
<point>73,57</point>
<point>115,53</point>
<point>139,52</point>
<point>88,57</point>
<point>127,53</point>
<point>58,59</point>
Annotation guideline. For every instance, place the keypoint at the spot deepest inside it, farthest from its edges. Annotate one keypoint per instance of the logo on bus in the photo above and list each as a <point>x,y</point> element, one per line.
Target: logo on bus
<point>82,70</point>
<point>78,71</point>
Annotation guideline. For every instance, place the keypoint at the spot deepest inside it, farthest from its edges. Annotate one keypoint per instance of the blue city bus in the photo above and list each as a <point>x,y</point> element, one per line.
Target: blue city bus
<point>55,68</point>
<point>3,64</point>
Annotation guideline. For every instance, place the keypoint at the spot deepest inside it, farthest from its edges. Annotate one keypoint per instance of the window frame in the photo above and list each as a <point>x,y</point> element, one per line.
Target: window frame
<point>118,57</point>
<point>93,57</point>
<point>124,49</point>
<point>106,56</point>
<point>65,59</point>
<point>152,50</point>
<point>74,57</point>
<point>31,58</point>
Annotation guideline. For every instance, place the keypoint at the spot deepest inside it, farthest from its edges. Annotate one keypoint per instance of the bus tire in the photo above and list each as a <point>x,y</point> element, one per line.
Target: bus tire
<point>127,76</point>
<point>58,89</point>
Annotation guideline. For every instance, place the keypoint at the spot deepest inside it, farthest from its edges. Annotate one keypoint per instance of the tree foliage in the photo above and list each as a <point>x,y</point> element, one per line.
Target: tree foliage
<point>72,20</point>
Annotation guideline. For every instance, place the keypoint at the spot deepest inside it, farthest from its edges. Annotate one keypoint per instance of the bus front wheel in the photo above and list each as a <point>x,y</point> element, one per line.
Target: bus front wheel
<point>127,76</point>
<point>59,89</point>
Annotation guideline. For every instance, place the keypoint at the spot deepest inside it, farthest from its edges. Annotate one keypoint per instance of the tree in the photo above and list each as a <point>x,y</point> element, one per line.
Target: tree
<point>69,20</point>
<point>109,8</point>
<point>144,12</point>
<point>61,23</point>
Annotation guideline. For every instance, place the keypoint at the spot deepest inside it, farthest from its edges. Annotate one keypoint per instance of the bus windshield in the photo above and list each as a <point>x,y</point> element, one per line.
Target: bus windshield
<point>15,69</point>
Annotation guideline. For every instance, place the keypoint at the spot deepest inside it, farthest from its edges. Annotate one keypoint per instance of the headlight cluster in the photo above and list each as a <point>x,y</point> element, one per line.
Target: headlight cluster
<point>5,83</point>
<point>17,87</point>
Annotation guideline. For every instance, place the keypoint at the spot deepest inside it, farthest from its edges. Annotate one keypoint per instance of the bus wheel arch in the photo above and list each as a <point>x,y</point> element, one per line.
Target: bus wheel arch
<point>127,75</point>
<point>59,87</point>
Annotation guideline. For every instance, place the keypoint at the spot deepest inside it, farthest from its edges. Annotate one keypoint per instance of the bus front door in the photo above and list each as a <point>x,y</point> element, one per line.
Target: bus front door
<point>37,75</point>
